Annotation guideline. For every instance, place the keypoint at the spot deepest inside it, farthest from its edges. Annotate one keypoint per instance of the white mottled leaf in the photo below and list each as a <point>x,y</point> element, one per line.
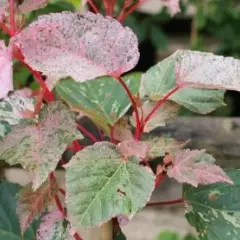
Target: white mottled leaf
<point>196,167</point>
<point>206,70</point>
<point>38,148</point>
<point>12,108</point>
<point>6,79</point>
<point>101,184</point>
<point>31,5</point>
<point>82,46</point>
<point>172,5</point>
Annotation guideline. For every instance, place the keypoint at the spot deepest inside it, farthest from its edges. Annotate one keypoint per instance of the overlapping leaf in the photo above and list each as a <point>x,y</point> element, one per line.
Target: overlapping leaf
<point>196,167</point>
<point>100,184</point>
<point>201,69</point>
<point>30,5</point>
<point>136,148</point>
<point>82,46</point>
<point>167,111</point>
<point>38,148</point>
<point>161,145</point>
<point>9,224</point>
<point>6,82</point>
<point>12,108</point>
<point>52,227</point>
<point>161,78</point>
<point>214,209</point>
<point>31,204</point>
<point>103,99</point>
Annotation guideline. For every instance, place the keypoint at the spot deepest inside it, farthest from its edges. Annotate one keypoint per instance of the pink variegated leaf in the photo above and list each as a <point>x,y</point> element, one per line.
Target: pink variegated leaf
<point>206,70</point>
<point>38,147</point>
<point>31,205</point>
<point>82,46</point>
<point>155,6</point>
<point>172,5</point>
<point>196,167</point>
<point>31,5</point>
<point>51,227</point>
<point>136,148</point>
<point>6,82</point>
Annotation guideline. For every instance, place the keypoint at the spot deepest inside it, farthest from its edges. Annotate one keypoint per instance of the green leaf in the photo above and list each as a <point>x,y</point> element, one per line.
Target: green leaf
<point>161,78</point>
<point>5,128</point>
<point>101,184</point>
<point>9,225</point>
<point>120,236</point>
<point>103,99</point>
<point>38,148</point>
<point>158,38</point>
<point>214,209</point>
<point>20,75</point>
<point>190,237</point>
<point>166,235</point>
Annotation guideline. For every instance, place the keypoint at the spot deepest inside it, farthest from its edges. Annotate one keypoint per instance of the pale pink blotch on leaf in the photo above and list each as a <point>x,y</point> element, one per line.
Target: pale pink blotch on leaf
<point>6,82</point>
<point>82,46</point>
<point>172,5</point>
<point>193,167</point>
<point>136,148</point>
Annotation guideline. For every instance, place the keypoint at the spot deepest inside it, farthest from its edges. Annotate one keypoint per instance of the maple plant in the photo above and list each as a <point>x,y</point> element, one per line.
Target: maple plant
<point>80,61</point>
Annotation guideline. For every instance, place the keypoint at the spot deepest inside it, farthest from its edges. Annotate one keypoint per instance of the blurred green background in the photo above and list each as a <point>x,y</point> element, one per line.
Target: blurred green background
<point>205,25</point>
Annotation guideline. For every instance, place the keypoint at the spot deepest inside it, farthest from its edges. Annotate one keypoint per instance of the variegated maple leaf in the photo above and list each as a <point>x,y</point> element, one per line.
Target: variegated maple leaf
<point>6,82</point>
<point>32,204</point>
<point>82,46</point>
<point>38,147</point>
<point>196,167</point>
<point>172,5</point>
<point>136,148</point>
<point>31,5</point>
<point>206,70</point>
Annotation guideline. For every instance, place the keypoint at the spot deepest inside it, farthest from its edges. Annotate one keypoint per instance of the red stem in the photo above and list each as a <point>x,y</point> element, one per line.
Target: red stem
<point>93,6</point>
<point>165,203</point>
<point>77,237</point>
<point>87,133</point>
<point>158,105</point>
<point>125,14</point>
<point>130,95</point>
<point>59,204</point>
<point>12,18</point>
<point>62,191</point>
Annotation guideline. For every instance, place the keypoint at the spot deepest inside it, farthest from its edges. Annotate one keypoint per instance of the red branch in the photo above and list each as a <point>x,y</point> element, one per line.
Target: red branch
<point>165,203</point>
<point>131,97</point>
<point>59,204</point>
<point>93,6</point>
<point>87,133</point>
<point>158,105</point>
